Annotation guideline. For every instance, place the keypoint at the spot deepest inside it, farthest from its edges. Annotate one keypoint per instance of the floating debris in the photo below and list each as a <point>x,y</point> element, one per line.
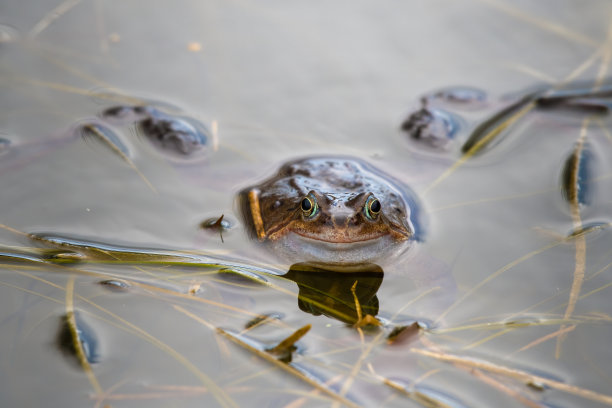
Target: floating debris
<point>403,334</point>
<point>170,133</point>
<point>76,338</point>
<point>589,228</point>
<point>107,136</point>
<point>434,128</point>
<point>242,276</point>
<point>115,285</point>
<point>19,257</point>
<point>577,175</point>
<point>582,99</point>
<point>195,288</point>
<point>111,140</point>
<point>537,386</point>
<point>461,96</point>
<point>65,257</point>
<point>284,350</point>
<point>288,368</point>
<point>194,46</point>
<point>368,321</point>
<point>118,112</point>
<point>261,319</point>
<point>490,129</point>
<point>217,224</point>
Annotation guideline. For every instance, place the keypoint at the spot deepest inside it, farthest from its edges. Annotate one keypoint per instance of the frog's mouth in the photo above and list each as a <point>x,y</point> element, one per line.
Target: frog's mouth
<point>348,238</point>
<point>300,247</point>
<point>341,239</point>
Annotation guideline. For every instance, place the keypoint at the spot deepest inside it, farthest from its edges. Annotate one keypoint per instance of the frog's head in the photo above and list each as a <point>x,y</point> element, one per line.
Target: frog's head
<point>329,227</point>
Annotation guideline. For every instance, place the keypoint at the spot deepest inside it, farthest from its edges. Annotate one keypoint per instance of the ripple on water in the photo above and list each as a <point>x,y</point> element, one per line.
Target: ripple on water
<point>8,34</point>
<point>5,145</point>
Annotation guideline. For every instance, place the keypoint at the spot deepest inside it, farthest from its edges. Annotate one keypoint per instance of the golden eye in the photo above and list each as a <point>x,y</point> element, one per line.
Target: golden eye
<point>372,207</point>
<point>309,206</point>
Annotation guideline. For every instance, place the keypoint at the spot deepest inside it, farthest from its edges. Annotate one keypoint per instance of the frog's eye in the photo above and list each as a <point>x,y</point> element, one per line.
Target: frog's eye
<point>372,207</point>
<point>309,206</point>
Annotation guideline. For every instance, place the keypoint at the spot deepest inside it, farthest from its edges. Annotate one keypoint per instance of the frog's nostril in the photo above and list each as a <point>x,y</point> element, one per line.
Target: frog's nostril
<point>341,220</point>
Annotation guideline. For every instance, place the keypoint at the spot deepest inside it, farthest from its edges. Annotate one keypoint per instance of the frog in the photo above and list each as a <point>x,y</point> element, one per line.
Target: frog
<point>333,211</point>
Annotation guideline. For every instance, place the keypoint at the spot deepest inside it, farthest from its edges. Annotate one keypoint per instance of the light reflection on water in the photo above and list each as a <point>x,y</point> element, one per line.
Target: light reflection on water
<point>498,277</point>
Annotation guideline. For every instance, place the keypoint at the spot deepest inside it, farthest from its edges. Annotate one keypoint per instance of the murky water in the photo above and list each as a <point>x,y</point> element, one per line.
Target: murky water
<point>121,298</point>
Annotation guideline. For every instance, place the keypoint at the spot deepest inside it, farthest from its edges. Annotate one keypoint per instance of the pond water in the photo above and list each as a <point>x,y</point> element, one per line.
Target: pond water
<point>128,128</point>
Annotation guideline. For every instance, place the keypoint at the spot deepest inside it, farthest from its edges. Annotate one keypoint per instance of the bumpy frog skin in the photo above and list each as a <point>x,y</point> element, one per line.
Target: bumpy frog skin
<point>331,210</point>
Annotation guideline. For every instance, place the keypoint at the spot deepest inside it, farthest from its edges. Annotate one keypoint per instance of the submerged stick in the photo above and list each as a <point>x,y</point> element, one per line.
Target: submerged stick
<point>580,242</point>
<point>519,375</point>
<point>288,368</point>
<point>76,341</point>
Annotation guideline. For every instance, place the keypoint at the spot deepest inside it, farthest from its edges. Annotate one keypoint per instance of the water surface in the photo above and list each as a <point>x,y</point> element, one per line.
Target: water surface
<point>509,286</point>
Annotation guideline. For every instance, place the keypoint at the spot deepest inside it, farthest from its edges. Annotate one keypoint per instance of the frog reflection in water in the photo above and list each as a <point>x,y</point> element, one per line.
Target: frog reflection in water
<point>332,211</point>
